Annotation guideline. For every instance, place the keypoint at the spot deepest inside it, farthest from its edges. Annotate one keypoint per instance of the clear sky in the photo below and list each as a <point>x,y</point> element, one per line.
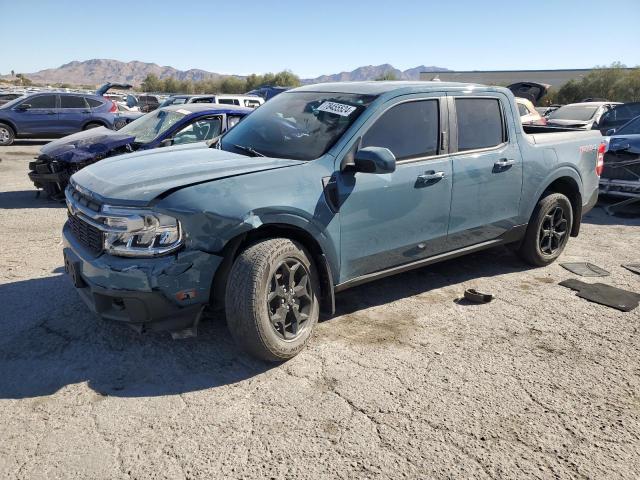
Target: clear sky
<point>320,37</point>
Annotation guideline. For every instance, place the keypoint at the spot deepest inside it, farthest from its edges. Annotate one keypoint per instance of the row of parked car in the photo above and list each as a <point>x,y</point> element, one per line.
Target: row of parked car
<point>53,114</point>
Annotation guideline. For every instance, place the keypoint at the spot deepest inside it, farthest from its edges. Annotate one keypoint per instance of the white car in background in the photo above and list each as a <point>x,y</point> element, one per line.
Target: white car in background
<point>249,101</point>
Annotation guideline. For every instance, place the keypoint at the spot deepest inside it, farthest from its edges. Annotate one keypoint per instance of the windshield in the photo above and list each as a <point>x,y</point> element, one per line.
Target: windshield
<point>296,125</point>
<point>151,125</point>
<point>631,128</point>
<point>580,113</point>
<point>13,102</point>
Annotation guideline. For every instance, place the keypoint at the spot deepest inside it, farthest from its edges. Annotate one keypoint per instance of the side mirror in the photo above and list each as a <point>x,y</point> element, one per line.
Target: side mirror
<point>167,142</point>
<point>23,106</point>
<point>374,160</point>
<point>610,132</point>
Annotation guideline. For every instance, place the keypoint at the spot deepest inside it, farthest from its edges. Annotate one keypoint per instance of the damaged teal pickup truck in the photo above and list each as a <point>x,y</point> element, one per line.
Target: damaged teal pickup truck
<point>322,188</point>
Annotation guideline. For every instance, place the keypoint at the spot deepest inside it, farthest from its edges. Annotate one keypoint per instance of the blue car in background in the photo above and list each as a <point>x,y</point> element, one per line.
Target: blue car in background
<point>174,125</point>
<point>54,114</point>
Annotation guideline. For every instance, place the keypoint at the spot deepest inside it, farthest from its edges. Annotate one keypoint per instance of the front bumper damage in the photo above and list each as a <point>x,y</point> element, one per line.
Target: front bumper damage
<point>52,175</point>
<point>163,293</point>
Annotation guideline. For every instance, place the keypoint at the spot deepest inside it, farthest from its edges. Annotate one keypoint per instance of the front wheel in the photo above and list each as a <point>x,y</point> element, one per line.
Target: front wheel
<point>6,135</point>
<point>271,299</point>
<point>548,230</point>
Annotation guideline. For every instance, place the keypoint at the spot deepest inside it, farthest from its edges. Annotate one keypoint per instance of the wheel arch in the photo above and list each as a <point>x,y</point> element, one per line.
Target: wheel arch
<point>569,187</point>
<point>240,242</point>
<point>10,124</point>
<point>97,122</point>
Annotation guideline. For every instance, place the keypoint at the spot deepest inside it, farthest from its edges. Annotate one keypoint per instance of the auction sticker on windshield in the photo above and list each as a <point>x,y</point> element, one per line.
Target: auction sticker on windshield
<point>337,108</point>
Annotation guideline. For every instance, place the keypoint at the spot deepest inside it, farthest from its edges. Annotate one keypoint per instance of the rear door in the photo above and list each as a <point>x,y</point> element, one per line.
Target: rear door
<point>401,217</point>
<point>41,116</point>
<point>487,169</point>
<point>74,113</point>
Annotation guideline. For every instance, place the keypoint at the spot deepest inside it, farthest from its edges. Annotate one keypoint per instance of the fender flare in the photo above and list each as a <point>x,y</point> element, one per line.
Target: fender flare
<point>556,174</point>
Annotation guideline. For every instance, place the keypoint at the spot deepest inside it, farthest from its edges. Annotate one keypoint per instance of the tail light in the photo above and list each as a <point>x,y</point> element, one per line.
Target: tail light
<point>114,107</point>
<point>600,159</point>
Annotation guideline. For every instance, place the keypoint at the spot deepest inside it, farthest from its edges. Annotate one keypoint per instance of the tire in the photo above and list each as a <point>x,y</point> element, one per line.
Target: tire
<point>252,316</point>
<point>548,232</point>
<point>7,135</point>
<point>91,125</point>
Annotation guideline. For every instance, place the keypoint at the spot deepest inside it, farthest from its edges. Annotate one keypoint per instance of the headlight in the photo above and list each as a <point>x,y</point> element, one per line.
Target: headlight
<point>140,233</point>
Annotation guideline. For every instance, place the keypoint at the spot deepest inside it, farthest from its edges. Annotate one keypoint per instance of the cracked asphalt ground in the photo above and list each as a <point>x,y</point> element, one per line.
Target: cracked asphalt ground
<point>402,382</point>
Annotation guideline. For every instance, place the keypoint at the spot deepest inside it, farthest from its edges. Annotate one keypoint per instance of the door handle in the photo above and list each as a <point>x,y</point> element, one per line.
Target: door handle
<point>51,113</point>
<point>429,178</point>
<point>503,164</point>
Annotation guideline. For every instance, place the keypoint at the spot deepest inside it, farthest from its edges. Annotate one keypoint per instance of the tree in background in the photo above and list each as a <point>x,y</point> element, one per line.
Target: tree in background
<point>613,83</point>
<point>229,84</point>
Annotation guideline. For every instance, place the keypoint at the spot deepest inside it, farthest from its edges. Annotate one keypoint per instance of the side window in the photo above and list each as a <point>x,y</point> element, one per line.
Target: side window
<point>203,129</point>
<point>42,101</point>
<point>251,103</point>
<point>228,101</point>
<point>203,100</point>
<point>523,110</point>
<point>480,123</point>
<point>93,103</point>
<point>409,130</point>
<point>72,101</point>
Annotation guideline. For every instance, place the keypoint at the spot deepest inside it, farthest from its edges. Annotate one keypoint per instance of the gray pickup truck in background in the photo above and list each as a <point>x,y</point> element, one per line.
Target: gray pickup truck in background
<point>322,188</point>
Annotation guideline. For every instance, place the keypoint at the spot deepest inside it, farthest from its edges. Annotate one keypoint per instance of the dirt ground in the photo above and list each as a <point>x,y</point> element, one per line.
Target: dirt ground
<point>404,382</point>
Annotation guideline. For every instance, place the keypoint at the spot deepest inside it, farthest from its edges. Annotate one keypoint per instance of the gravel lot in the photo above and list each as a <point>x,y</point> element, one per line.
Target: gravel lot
<point>403,382</point>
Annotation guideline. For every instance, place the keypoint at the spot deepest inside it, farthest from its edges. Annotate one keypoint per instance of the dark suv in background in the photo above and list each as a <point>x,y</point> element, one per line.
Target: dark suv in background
<point>53,114</point>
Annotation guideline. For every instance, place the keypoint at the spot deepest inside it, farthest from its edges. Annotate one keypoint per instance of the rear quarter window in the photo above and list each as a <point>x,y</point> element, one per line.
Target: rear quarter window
<point>480,123</point>
<point>93,103</point>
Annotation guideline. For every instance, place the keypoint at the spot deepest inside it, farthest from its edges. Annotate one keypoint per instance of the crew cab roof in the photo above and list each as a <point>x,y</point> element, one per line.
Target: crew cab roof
<point>378,88</point>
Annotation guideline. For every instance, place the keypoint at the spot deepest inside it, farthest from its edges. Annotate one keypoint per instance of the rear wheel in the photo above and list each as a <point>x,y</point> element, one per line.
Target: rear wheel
<point>548,230</point>
<point>91,125</point>
<point>271,299</point>
<point>7,135</point>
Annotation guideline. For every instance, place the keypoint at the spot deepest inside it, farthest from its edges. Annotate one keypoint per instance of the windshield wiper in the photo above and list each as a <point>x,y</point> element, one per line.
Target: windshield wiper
<point>250,150</point>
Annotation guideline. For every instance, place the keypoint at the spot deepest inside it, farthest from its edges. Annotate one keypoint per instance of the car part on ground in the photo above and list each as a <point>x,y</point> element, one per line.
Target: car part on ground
<point>633,267</point>
<point>613,297</point>
<point>177,125</point>
<point>585,269</point>
<point>473,295</point>
<point>321,189</point>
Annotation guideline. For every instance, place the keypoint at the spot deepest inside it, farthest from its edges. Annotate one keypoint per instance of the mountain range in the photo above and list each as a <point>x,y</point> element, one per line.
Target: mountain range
<point>99,71</point>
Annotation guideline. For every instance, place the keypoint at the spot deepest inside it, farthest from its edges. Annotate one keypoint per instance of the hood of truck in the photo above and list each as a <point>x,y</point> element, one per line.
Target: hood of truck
<point>140,177</point>
<point>87,145</point>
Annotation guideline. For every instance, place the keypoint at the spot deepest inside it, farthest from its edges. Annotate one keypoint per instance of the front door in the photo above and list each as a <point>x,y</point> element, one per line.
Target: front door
<point>487,170</point>
<point>37,115</point>
<point>397,218</point>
